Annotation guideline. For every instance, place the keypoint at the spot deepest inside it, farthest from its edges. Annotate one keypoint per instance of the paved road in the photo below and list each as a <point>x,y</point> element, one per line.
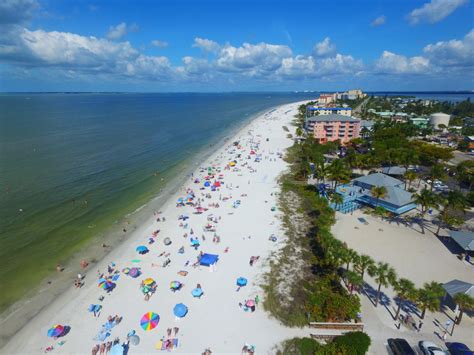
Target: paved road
<point>459,157</point>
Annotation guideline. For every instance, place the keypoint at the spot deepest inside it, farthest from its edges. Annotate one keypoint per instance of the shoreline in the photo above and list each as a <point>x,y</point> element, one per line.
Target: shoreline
<point>140,223</point>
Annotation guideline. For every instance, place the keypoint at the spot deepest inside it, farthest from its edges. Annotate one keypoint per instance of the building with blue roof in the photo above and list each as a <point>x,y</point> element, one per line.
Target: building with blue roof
<point>358,193</point>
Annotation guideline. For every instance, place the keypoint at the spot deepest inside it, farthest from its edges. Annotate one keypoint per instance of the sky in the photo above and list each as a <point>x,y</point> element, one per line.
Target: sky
<point>226,45</point>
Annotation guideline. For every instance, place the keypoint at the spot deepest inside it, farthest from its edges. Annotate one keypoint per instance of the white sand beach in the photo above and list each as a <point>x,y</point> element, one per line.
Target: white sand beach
<point>214,320</point>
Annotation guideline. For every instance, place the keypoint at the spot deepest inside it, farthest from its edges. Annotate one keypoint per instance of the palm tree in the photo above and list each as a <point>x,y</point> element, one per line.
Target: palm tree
<point>348,256</point>
<point>378,192</point>
<point>437,172</point>
<point>363,263</point>
<point>405,290</point>
<point>429,297</point>
<point>338,172</point>
<point>384,275</point>
<point>354,280</point>
<point>465,303</point>
<point>299,132</point>
<point>426,199</point>
<point>410,176</point>
<point>454,200</point>
<point>337,199</point>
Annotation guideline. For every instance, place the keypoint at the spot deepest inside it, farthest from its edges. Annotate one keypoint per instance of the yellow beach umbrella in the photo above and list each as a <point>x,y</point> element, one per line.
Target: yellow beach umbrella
<point>149,281</point>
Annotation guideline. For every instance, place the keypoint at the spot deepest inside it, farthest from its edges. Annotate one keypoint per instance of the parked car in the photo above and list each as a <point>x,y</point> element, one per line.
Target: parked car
<point>459,349</point>
<point>430,348</point>
<point>400,346</point>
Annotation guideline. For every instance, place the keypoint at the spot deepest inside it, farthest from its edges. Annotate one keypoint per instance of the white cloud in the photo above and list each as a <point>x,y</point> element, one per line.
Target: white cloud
<point>119,31</point>
<point>16,11</point>
<point>379,21</point>
<point>206,45</point>
<point>391,63</point>
<point>252,59</point>
<point>159,44</point>
<point>453,52</point>
<point>324,48</point>
<point>297,67</point>
<point>72,53</point>
<point>434,11</point>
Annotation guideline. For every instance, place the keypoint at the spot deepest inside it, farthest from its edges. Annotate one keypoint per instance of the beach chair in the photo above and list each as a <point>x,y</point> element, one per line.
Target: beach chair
<point>160,345</point>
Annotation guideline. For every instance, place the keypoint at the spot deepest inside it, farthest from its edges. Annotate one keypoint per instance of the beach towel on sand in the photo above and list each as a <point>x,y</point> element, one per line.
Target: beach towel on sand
<point>161,345</point>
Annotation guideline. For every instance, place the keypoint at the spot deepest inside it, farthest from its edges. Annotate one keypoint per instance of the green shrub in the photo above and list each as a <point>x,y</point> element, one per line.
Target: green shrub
<point>356,342</point>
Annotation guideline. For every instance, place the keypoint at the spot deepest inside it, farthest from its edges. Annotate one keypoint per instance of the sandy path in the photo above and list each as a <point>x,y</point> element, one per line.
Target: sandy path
<point>215,320</point>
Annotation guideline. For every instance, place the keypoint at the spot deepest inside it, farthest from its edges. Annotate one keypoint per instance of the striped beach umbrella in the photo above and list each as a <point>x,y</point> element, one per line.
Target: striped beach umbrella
<point>149,320</point>
<point>55,331</point>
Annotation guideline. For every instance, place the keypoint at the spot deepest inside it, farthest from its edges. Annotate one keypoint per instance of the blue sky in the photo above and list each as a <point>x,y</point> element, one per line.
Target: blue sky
<point>228,45</point>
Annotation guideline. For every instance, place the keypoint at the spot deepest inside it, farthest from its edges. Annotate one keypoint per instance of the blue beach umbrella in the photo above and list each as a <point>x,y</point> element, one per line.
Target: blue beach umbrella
<point>142,249</point>
<point>241,281</point>
<point>197,292</point>
<point>207,184</point>
<point>180,310</point>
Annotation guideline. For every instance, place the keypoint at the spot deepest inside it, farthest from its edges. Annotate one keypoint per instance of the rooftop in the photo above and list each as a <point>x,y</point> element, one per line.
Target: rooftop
<point>464,239</point>
<point>378,179</point>
<point>312,108</point>
<point>457,286</point>
<point>332,118</point>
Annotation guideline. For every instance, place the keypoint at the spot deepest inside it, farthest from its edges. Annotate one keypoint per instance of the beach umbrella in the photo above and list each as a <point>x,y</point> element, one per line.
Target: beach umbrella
<point>55,331</point>
<point>149,281</point>
<point>207,184</point>
<point>217,184</point>
<point>134,340</point>
<point>134,272</point>
<point>250,303</point>
<point>241,281</point>
<point>117,349</point>
<point>149,320</point>
<point>106,284</point>
<point>142,249</point>
<point>167,241</point>
<point>175,285</point>
<point>180,310</point>
<point>197,292</point>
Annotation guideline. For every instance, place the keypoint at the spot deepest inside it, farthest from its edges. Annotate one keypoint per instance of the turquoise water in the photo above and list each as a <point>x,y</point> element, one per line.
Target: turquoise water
<point>72,165</point>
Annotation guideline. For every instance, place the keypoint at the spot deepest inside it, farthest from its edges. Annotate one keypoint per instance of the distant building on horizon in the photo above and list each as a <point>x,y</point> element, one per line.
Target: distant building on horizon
<point>315,111</point>
<point>332,127</point>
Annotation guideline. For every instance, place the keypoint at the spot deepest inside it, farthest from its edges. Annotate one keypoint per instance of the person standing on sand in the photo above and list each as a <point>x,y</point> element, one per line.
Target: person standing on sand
<point>102,348</point>
<point>95,349</point>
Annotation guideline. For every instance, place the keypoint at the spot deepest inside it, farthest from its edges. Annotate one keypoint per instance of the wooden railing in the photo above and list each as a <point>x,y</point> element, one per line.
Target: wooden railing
<point>337,326</point>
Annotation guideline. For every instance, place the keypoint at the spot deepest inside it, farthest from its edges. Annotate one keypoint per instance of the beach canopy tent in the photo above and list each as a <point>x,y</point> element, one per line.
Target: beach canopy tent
<point>464,239</point>
<point>180,310</point>
<point>454,287</point>
<point>117,349</point>
<point>208,259</point>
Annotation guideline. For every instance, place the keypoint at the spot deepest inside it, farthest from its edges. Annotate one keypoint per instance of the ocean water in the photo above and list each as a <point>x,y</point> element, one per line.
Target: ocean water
<point>74,165</point>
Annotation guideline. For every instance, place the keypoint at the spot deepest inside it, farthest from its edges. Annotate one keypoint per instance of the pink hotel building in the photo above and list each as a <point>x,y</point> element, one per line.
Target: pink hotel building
<point>328,128</point>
